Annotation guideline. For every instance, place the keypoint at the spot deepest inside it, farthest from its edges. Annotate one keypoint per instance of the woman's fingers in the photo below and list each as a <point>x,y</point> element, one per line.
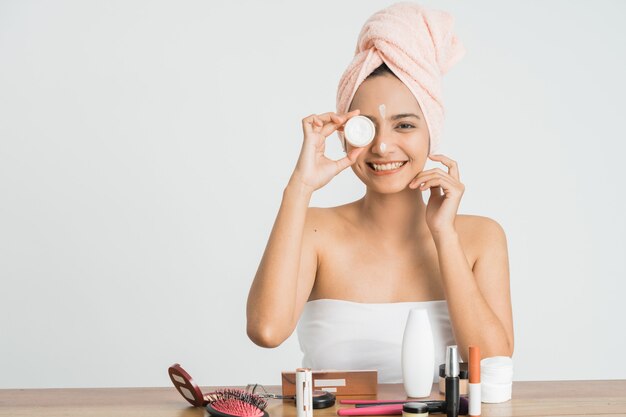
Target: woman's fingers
<point>315,122</point>
<point>313,167</point>
<point>348,160</point>
<point>442,182</point>
<point>326,123</point>
<point>426,175</point>
<point>437,178</point>
<point>453,168</point>
<point>449,185</point>
<point>336,121</point>
<point>318,124</point>
<point>348,116</point>
<point>307,124</point>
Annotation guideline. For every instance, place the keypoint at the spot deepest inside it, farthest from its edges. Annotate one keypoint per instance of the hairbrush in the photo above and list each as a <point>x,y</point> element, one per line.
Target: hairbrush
<point>220,403</point>
<point>235,403</point>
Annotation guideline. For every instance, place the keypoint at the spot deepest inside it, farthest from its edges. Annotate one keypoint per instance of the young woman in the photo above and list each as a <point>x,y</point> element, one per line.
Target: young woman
<point>347,276</point>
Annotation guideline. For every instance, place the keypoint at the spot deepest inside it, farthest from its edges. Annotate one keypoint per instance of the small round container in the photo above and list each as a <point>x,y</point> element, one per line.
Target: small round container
<point>323,399</point>
<point>496,374</point>
<point>463,378</point>
<point>495,393</point>
<point>359,131</point>
<point>497,370</point>
<point>414,409</point>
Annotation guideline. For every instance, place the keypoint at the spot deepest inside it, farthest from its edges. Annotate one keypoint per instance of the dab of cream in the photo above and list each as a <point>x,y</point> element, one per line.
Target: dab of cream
<point>381,110</point>
<point>382,146</point>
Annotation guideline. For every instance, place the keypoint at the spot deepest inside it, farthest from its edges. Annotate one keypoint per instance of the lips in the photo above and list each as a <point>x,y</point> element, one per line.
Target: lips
<point>385,167</point>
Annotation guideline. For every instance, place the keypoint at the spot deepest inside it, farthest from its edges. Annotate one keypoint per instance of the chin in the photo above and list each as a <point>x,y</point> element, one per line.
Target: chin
<point>392,188</point>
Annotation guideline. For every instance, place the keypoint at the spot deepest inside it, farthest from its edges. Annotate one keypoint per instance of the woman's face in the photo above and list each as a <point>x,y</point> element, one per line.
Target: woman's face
<point>400,148</point>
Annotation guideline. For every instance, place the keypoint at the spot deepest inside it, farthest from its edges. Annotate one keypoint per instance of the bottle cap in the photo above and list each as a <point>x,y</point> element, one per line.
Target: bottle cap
<point>359,131</point>
<point>452,362</point>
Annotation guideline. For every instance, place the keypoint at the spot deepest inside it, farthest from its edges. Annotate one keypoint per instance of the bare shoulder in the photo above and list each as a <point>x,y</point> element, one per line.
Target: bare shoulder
<point>331,216</point>
<point>324,223</point>
<point>480,235</point>
<point>479,227</point>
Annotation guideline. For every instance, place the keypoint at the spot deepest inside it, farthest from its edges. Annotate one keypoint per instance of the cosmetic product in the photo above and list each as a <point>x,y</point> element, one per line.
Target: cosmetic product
<point>377,410</point>
<point>338,382</point>
<point>383,410</point>
<point>359,131</point>
<point>414,410</point>
<point>382,110</point>
<point>474,381</point>
<point>418,354</point>
<point>375,403</point>
<point>323,399</point>
<point>304,392</point>
<point>382,407</point>
<point>496,379</point>
<point>463,378</point>
<point>186,386</point>
<point>452,382</point>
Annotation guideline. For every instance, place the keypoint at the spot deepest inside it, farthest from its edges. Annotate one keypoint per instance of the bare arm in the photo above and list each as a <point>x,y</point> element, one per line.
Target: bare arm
<point>479,301</point>
<point>287,270</point>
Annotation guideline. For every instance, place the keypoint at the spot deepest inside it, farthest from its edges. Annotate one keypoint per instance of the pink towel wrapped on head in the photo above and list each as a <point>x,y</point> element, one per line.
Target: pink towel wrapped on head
<point>418,45</point>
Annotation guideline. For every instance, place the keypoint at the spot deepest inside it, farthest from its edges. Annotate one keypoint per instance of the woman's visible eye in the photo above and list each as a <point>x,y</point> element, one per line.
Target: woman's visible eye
<point>405,126</point>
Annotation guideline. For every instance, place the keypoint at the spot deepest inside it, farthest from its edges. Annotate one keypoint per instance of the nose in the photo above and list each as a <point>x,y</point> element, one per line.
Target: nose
<point>380,144</point>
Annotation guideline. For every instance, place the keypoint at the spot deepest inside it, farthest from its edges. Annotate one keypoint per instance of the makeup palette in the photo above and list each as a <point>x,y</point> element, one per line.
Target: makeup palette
<point>185,385</point>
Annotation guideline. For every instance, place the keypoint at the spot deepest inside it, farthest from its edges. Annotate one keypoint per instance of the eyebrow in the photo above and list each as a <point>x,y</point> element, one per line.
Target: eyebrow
<point>395,116</point>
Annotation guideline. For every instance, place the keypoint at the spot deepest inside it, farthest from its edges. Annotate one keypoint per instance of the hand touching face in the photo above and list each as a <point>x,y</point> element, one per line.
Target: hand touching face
<point>446,191</point>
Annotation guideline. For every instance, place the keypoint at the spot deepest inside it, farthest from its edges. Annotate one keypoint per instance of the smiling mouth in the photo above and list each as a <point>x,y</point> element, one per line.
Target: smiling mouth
<point>390,166</point>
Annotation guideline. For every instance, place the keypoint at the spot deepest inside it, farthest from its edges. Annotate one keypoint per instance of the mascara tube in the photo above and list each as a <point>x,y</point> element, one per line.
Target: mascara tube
<point>453,394</point>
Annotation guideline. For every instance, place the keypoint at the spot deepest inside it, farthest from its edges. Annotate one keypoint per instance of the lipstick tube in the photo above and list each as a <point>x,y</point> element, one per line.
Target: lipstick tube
<point>474,381</point>
<point>452,382</point>
<point>304,392</point>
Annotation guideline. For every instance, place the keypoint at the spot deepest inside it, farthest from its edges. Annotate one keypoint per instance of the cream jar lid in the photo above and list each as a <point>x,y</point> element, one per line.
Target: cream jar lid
<point>359,131</point>
<point>415,408</point>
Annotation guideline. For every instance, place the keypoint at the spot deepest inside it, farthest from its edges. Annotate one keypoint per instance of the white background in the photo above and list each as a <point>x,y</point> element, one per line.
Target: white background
<point>145,145</point>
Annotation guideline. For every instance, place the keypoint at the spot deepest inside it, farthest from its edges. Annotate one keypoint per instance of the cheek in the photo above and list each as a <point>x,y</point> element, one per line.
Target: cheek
<point>419,145</point>
<point>418,153</point>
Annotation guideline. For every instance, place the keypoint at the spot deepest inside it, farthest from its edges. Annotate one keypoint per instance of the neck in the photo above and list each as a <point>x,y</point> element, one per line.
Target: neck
<point>400,215</point>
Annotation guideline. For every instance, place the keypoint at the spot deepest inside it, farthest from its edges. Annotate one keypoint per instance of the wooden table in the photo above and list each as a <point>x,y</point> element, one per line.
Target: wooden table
<point>546,398</point>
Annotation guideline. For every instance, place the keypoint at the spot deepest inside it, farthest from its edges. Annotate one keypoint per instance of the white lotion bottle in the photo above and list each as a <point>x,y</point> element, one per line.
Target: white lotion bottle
<point>418,354</point>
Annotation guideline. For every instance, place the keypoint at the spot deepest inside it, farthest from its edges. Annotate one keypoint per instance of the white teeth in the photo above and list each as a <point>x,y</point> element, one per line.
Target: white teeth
<point>387,167</point>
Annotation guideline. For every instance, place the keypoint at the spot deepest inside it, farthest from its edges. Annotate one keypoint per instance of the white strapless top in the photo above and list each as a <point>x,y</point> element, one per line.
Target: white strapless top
<point>338,334</point>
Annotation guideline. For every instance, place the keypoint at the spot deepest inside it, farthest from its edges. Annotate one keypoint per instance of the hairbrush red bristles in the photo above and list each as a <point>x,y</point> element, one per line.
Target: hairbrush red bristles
<point>235,403</point>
